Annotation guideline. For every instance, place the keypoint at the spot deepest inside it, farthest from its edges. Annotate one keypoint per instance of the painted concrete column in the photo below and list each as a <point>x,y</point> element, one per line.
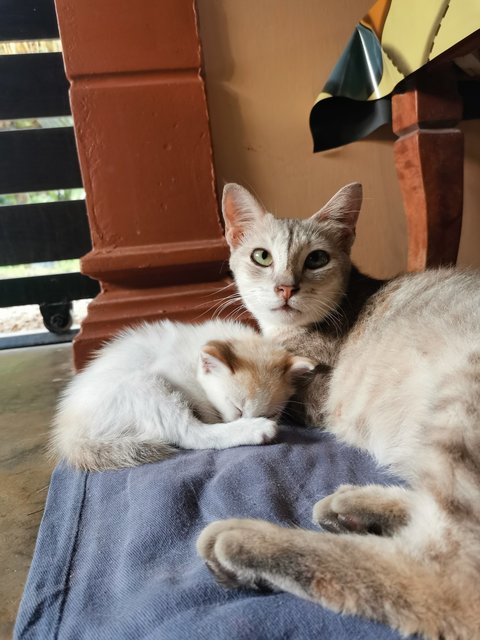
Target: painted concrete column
<point>429,157</point>
<point>142,131</point>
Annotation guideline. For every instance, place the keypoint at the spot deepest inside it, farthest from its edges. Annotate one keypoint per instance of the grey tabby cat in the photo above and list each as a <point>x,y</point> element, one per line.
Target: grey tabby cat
<point>405,385</point>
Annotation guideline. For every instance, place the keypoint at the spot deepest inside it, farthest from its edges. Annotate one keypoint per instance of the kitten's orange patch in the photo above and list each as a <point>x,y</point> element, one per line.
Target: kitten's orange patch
<point>254,373</point>
<point>223,350</point>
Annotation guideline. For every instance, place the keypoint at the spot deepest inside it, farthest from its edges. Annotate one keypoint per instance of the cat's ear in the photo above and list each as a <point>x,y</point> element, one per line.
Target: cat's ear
<point>342,210</point>
<point>299,366</point>
<point>217,355</point>
<point>240,211</point>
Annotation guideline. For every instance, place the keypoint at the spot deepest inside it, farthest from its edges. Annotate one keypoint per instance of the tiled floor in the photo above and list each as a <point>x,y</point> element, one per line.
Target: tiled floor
<point>30,380</point>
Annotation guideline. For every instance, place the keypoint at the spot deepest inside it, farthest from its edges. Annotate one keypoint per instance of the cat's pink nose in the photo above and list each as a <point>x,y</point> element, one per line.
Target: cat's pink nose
<point>286,291</point>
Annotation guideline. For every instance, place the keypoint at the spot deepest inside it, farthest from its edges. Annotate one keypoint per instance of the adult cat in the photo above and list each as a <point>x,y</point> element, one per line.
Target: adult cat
<point>297,279</point>
<point>169,383</point>
<point>406,387</point>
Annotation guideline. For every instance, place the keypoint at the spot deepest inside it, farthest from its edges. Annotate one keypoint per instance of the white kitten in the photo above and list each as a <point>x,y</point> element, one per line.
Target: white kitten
<point>170,383</point>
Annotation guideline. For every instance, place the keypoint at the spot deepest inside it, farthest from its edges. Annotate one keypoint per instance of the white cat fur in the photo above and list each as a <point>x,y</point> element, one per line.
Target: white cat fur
<point>163,384</point>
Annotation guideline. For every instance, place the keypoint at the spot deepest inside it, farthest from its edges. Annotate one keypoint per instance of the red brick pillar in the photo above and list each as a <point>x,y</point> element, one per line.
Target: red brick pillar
<point>143,140</point>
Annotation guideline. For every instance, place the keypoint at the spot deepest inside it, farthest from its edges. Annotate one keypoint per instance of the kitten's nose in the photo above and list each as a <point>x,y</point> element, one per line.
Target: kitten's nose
<point>286,291</point>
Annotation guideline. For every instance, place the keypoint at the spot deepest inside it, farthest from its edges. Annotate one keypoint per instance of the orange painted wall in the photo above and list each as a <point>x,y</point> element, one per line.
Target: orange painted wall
<point>265,62</point>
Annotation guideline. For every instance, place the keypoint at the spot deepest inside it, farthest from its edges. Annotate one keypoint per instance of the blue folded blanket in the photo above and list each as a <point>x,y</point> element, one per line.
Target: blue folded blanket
<point>115,557</point>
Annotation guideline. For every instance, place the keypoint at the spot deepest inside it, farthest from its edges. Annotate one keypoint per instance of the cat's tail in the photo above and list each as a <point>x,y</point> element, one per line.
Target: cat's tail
<point>102,455</point>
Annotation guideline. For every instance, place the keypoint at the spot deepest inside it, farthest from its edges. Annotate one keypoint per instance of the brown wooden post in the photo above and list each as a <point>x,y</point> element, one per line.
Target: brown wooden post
<point>429,162</point>
<point>141,124</point>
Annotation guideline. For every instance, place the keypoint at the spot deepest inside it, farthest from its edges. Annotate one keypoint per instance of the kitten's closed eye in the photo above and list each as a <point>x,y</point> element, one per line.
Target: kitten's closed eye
<point>240,411</point>
<point>317,259</point>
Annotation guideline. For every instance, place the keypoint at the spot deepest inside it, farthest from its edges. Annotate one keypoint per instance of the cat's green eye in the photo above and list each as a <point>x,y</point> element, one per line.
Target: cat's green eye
<point>262,257</point>
<point>317,259</point>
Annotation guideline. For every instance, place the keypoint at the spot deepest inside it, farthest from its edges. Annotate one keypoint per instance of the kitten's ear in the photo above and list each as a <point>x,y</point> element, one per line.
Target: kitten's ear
<point>299,366</point>
<point>343,209</point>
<point>217,355</point>
<point>240,211</point>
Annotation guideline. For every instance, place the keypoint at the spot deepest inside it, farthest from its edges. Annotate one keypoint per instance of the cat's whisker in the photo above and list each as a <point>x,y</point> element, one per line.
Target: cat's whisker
<point>224,299</point>
<point>211,302</point>
<point>225,304</point>
<point>199,316</point>
<point>220,289</point>
<point>334,320</point>
<point>232,296</point>
<point>331,315</point>
<point>296,402</point>
<point>220,304</point>
<point>236,314</point>
<point>207,311</point>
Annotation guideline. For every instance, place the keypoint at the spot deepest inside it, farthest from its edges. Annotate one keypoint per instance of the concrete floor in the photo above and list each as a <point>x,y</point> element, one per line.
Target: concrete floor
<point>30,380</point>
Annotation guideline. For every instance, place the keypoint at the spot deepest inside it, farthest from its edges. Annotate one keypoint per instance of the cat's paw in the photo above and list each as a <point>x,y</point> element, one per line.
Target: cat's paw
<point>221,545</point>
<point>260,430</point>
<point>241,432</point>
<point>367,509</point>
<point>326,512</point>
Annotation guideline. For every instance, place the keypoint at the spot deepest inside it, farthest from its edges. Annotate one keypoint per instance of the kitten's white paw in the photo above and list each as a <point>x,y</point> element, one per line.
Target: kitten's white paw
<point>259,430</point>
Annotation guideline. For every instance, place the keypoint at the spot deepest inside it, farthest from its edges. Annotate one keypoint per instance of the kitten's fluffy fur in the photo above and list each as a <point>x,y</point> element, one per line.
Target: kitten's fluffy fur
<point>406,387</point>
<point>168,383</point>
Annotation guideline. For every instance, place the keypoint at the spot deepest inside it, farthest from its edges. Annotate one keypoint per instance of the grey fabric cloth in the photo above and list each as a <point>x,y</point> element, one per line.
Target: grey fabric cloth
<point>115,557</point>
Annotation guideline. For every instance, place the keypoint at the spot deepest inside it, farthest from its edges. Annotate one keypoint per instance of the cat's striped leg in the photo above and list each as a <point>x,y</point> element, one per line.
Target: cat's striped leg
<point>364,509</point>
<point>362,575</point>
